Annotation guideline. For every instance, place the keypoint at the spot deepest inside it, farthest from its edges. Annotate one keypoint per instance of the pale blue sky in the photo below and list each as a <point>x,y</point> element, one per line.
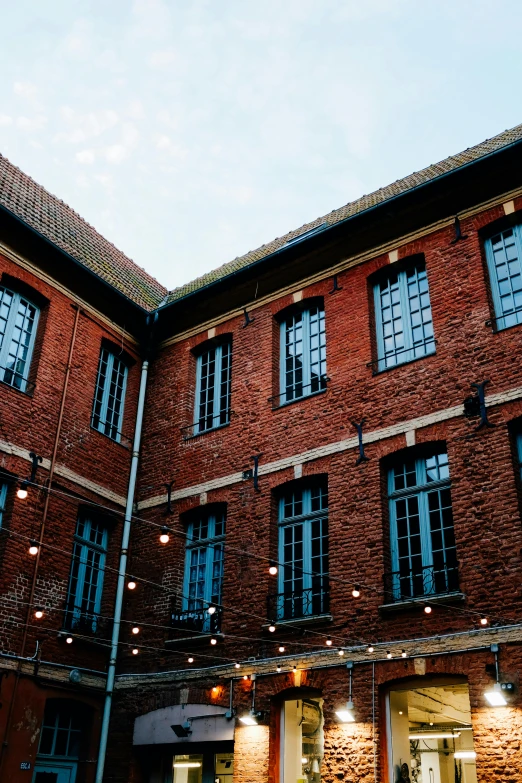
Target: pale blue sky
<point>191,131</point>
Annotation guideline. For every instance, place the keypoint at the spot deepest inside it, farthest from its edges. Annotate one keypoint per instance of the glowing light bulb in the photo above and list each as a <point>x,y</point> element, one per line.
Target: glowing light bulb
<point>341,652</point>
<point>272,569</point>
<point>281,649</point>
<point>370,648</point>
<point>278,668</point>
<point>69,639</point>
<point>38,614</point>
<point>135,651</point>
<point>33,548</point>
<point>213,640</point>
<point>356,592</point>
<point>404,654</point>
<point>483,620</point>
<point>215,689</point>
<point>211,609</point>
<point>21,492</point>
<point>191,659</point>
<point>164,535</point>
<point>388,655</point>
<point>131,585</point>
<point>295,669</point>
<point>245,676</point>
<point>271,628</point>
<point>135,630</point>
<point>427,609</point>
<point>237,665</point>
<point>328,642</point>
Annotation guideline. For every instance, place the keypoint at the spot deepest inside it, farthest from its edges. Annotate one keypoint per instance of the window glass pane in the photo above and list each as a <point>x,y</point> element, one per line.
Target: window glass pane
<point>303,740</point>
<point>506,272</point>
<point>18,319</point>
<point>86,576</point>
<point>188,768</point>
<point>109,395</point>
<point>204,569</point>
<point>303,353</point>
<point>214,369</point>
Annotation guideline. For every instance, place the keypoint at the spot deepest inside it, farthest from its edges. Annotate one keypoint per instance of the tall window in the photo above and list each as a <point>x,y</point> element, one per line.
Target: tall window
<point>303,354</point>
<point>18,321</point>
<point>3,496</point>
<point>303,554</point>
<point>519,453</point>
<point>109,397</point>
<point>61,729</point>
<point>504,256</point>
<point>423,552</point>
<point>404,325</point>
<point>86,578</point>
<point>213,387</point>
<point>204,567</point>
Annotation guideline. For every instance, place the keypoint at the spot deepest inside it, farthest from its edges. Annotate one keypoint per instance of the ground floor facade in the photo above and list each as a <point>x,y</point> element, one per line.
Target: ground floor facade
<point>423,718</point>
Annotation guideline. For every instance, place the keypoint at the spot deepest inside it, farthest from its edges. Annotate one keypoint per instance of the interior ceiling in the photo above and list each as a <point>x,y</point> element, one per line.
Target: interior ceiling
<point>446,705</point>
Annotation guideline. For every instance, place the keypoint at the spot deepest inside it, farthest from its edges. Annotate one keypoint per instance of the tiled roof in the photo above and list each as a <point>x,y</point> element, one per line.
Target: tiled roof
<point>355,207</point>
<point>65,228</point>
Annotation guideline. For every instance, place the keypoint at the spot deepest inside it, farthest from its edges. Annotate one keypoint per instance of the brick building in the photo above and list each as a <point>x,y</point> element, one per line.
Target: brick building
<point>331,450</point>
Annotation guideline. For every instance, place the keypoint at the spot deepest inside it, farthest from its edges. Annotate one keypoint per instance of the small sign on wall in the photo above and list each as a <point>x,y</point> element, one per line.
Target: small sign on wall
<point>25,765</point>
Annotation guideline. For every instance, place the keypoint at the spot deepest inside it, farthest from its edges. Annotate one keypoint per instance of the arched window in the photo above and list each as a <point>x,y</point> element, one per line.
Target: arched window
<point>504,257</point>
<point>302,351</point>
<point>303,553</point>
<point>18,322</point>
<point>403,321</point>
<point>422,539</point>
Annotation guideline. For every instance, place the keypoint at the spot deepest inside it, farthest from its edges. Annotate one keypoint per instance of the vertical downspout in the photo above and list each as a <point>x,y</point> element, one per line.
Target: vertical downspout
<point>151,321</point>
<point>41,535</point>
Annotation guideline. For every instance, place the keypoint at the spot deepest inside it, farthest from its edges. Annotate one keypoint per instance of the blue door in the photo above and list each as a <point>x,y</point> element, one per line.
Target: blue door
<point>54,772</point>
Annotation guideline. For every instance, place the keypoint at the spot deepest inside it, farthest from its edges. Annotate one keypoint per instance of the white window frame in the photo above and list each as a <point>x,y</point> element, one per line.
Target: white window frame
<point>288,393</point>
<point>99,420</point>
<point>6,340</point>
<point>217,413</point>
<point>74,611</point>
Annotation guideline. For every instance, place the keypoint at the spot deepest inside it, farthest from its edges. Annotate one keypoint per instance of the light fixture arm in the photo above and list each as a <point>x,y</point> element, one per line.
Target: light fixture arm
<point>35,460</point>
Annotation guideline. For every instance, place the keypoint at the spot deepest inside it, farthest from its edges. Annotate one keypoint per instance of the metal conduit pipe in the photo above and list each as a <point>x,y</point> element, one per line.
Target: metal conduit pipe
<point>122,569</point>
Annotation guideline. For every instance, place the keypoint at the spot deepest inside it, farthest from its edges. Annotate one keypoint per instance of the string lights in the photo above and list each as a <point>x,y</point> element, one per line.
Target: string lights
<point>33,548</point>
<point>164,535</point>
<point>132,584</point>
<point>22,491</point>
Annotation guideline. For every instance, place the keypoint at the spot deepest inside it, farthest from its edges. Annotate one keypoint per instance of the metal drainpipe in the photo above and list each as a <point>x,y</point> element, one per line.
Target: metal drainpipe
<point>5,743</point>
<point>122,569</point>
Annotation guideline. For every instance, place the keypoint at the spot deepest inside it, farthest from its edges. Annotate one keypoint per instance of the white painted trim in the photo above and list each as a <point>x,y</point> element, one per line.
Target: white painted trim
<point>509,207</point>
<point>393,256</point>
<point>64,472</point>
<point>401,428</point>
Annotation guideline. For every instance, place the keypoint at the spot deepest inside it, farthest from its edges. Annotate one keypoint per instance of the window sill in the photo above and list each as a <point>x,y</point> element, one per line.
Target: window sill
<point>205,432</point>
<point>413,603</point>
<point>124,442</point>
<point>196,639</point>
<point>377,371</point>
<point>298,399</point>
<point>310,619</point>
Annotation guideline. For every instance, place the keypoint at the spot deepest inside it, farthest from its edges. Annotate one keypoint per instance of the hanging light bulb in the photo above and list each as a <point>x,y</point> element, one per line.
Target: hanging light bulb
<point>370,648</point>
<point>213,640</point>
<point>131,584</point>
<point>295,669</point>
<point>191,659</point>
<point>21,492</point>
<point>328,642</point>
<point>245,676</point>
<point>164,535</point>
<point>272,628</point>
<point>356,591</point>
<point>135,630</point>
<point>211,609</point>
<point>427,609</point>
<point>404,654</point>
<point>33,547</point>
<point>69,639</point>
<point>215,690</point>
<point>281,649</point>
<point>341,652</point>
<point>388,655</point>
<point>135,651</point>
<point>278,667</point>
<point>38,614</point>
<point>483,620</point>
<point>272,568</point>
<point>237,665</point>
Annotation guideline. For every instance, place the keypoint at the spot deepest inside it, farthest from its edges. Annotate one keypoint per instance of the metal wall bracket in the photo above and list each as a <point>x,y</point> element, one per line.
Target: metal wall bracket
<point>36,460</point>
<point>476,405</point>
<point>458,231</point>
<point>248,320</point>
<point>336,286</point>
<point>362,456</point>
<point>252,473</point>
<point>169,509</point>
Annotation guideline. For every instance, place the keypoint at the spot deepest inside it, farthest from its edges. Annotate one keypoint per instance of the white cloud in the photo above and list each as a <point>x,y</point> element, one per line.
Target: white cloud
<point>5,120</point>
<point>163,59</point>
<point>78,41</point>
<point>31,124</point>
<point>116,153</point>
<point>86,157</point>
<point>26,90</point>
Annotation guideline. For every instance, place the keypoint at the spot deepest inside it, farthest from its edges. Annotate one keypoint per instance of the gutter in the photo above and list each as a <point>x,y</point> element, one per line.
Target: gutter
<point>340,223</point>
<point>124,552</point>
